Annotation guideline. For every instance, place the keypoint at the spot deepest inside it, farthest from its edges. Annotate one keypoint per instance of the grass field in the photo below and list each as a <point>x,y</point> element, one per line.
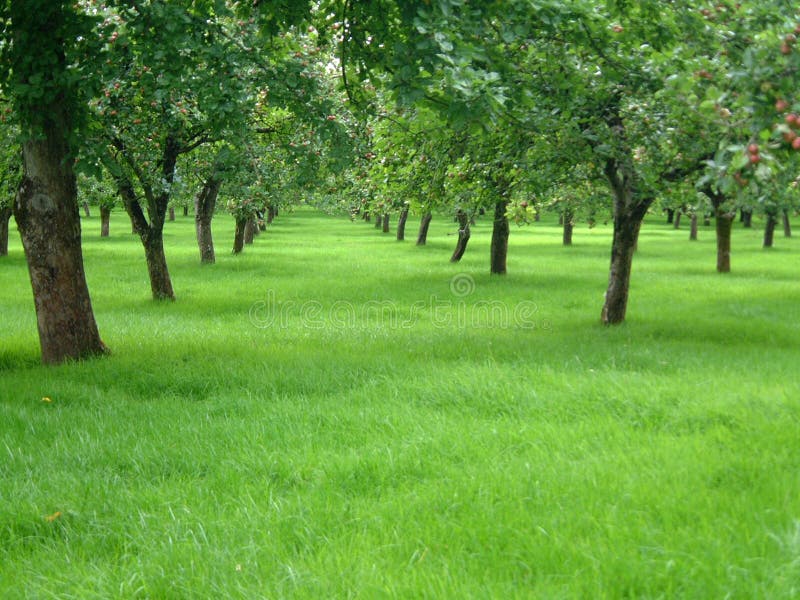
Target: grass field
<point>334,414</point>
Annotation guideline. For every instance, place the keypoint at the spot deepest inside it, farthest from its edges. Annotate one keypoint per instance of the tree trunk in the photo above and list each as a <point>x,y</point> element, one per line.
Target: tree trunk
<point>367,217</point>
<point>670,216</point>
<point>249,231</point>
<point>424,224</point>
<point>499,247</point>
<point>185,210</point>
<point>463,236</point>
<point>787,224</point>
<point>86,211</point>
<point>378,221</point>
<point>628,214</point>
<point>568,226</point>
<point>386,218</point>
<point>160,282</point>
<point>5,215</point>
<point>271,214</point>
<point>693,228</point>
<point>769,230</point>
<point>747,218</point>
<point>401,224</point>
<point>724,227</point>
<point>105,220</point>
<point>204,204</point>
<point>171,213</point>
<point>678,215</point>
<point>46,211</point>
<point>238,236</point>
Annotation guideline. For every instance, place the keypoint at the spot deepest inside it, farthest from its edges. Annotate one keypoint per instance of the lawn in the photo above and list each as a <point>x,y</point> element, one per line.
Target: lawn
<point>334,414</point>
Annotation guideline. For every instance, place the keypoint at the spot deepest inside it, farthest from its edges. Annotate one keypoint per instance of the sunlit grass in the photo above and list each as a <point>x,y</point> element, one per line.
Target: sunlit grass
<point>325,416</point>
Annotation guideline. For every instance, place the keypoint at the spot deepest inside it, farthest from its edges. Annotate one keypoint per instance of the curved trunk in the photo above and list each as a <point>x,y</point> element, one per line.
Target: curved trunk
<point>401,224</point>
<point>678,215</point>
<point>693,228</point>
<point>769,230</point>
<point>238,235</point>
<point>46,211</point>
<point>463,236</point>
<point>5,215</point>
<point>424,224</point>
<point>204,204</point>
<point>628,214</point>
<point>499,247</point>
<point>568,227</point>
<point>105,220</point>
<point>787,225</point>
<point>386,218</point>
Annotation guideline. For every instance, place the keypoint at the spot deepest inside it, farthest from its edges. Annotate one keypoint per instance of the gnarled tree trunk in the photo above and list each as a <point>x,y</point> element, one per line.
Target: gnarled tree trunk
<point>5,215</point>
<point>105,220</point>
<point>424,224</point>
<point>46,211</point>
<point>401,224</point>
<point>204,204</point>
<point>160,282</point>
<point>463,236</point>
<point>499,247</point>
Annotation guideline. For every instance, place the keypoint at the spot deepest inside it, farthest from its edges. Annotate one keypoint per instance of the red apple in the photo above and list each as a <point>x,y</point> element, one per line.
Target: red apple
<point>753,148</point>
<point>781,105</point>
<point>796,143</point>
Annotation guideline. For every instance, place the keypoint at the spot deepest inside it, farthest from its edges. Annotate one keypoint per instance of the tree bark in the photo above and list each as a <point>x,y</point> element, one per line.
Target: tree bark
<point>693,228</point>
<point>378,221</point>
<point>185,210</point>
<point>670,216</point>
<point>171,213</point>
<point>367,217</point>
<point>271,214</point>
<point>678,215</point>
<point>249,231</point>
<point>401,224</point>
<point>499,247</point>
<point>787,224</point>
<point>463,236</point>
<point>568,227</point>
<point>386,218</point>
<point>105,220</point>
<point>204,204</point>
<point>629,210</point>
<point>238,236</point>
<point>46,211</point>
<point>5,215</point>
<point>160,282</point>
<point>724,227</point>
<point>747,218</point>
<point>769,230</point>
<point>86,211</point>
<point>424,224</point>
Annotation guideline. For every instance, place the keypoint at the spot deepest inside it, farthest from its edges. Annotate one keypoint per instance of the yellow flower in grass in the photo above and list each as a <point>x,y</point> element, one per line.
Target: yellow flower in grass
<point>53,517</point>
<point>46,399</point>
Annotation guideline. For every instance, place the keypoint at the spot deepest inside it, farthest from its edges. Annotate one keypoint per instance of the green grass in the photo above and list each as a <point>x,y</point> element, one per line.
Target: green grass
<point>322,417</point>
